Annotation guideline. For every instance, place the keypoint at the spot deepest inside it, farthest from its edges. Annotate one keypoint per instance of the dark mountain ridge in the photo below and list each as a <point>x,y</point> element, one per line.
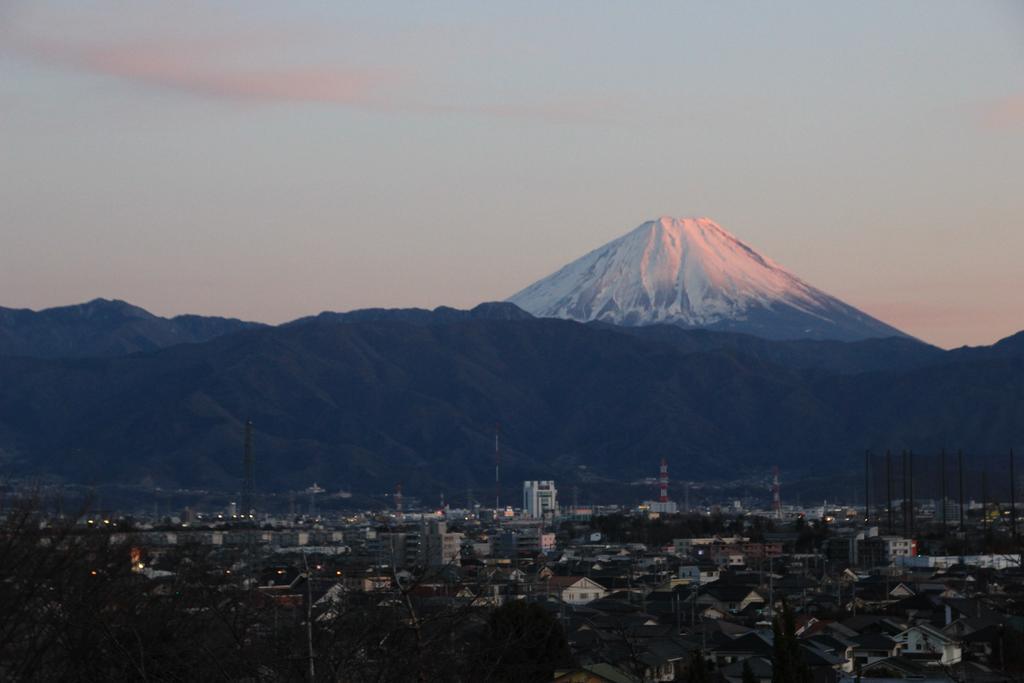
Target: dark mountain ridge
<point>365,400</point>
<point>491,310</point>
<point>103,327</point>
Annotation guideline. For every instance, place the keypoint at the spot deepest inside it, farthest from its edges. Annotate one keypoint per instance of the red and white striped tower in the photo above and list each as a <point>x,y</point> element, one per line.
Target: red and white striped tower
<point>776,494</point>
<point>663,482</point>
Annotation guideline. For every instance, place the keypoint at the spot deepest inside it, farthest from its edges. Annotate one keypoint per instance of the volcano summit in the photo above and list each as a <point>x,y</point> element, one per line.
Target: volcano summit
<point>693,273</point>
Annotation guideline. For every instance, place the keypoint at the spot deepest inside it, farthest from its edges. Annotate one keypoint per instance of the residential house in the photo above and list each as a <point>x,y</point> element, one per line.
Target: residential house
<point>926,639</point>
<point>575,590</point>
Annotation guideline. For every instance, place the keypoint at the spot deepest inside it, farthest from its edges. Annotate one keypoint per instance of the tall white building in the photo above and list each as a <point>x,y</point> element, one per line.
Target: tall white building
<point>438,546</point>
<point>540,499</point>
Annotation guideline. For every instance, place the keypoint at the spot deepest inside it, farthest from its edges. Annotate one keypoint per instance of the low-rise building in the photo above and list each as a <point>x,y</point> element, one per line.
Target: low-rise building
<point>575,590</point>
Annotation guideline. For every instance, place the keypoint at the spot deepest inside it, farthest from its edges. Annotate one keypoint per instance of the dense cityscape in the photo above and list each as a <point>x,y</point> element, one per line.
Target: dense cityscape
<point>535,589</point>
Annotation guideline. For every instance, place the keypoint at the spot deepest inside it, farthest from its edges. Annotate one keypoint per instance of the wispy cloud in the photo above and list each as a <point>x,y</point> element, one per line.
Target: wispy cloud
<point>204,68</point>
<point>232,59</point>
<point>1006,113</point>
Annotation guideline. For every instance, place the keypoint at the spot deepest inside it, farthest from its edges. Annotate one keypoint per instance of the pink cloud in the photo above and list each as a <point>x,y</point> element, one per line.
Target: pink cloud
<point>235,67</point>
<point>200,69</point>
<point>1006,113</point>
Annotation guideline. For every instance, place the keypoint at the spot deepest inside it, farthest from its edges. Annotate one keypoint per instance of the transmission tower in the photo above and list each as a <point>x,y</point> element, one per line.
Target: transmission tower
<point>248,480</point>
<point>776,494</point>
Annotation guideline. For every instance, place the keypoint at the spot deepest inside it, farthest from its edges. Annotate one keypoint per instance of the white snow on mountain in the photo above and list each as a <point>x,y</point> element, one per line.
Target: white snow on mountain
<point>692,272</point>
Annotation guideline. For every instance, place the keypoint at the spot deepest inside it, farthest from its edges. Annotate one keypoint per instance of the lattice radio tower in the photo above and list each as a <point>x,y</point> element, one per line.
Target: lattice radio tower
<point>663,482</point>
<point>776,493</point>
<point>248,479</point>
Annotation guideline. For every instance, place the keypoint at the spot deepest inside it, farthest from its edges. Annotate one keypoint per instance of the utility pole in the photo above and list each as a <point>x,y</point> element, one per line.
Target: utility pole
<point>1013,499</point>
<point>867,488</point>
<point>249,505</point>
<point>888,487</point>
<point>984,507</point>
<point>309,617</point>
<point>776,496</point>
<point>960,467</point>
<point>693,603</point>
<point>910,464</point>
<point>942,470</point>
<point>497,471</point>
<point>248,479</point>
<point>906,511</point>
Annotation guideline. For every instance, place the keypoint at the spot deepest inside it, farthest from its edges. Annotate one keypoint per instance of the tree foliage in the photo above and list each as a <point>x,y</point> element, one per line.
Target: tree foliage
<point>73,607</point>
<point>788,665</point>
<point>697,672</point>
<point>748,673</point>
<point>522,642</point>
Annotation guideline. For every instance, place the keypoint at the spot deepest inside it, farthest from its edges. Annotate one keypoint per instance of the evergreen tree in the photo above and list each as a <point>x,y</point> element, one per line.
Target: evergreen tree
<point>748,673</point>
<point>698,670</point>
<point>522,642</point>
<point>788,665</point>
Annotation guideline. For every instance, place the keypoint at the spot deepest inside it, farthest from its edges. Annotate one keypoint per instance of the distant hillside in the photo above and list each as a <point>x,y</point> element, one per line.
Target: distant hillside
<point>892,353</point>
<point>495,310</point>
<point>364,404</point>
<point>102,328</point>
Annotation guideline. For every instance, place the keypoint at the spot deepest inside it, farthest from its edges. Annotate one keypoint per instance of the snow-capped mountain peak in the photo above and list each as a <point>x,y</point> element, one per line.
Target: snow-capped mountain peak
<point>692,272</point>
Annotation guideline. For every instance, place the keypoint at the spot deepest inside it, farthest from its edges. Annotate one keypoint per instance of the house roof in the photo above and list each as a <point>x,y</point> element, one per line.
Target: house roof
<point>815,656</point>
<point>761,667</point>
<point>915,602</point>
<point>871,623</point>
<point>609,605</point>
<point>729,593</point>
<point>928,630</point>
<point>896,664</point>
<point>671,648</point>
<point>831,641</point>
<point>873,641</point>
<point>986,634</point>
<point>570,581</point>
<point>718,627</point>
<point>836,629</point>
<point>753,643</point>
<point>652,631</point>
<point>979,673</point>
<point>796,582</point>
<point>595,673</point>
<point>971,608</point>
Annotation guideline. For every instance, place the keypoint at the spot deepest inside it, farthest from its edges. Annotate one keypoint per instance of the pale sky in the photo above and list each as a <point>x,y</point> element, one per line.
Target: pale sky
<point>268,160</point>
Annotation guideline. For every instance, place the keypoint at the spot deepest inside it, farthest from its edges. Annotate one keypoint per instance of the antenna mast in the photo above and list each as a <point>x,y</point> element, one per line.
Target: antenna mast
<point>888,487</point>
<point>910,466</point>
<point>663,482</point>
<point>867,488</point>
<point>1013,500</point>
<point>248,483</point>
<point>960,473</point>
<point>776,493</point>
<point>942,468</point>
<point>497,470</point>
